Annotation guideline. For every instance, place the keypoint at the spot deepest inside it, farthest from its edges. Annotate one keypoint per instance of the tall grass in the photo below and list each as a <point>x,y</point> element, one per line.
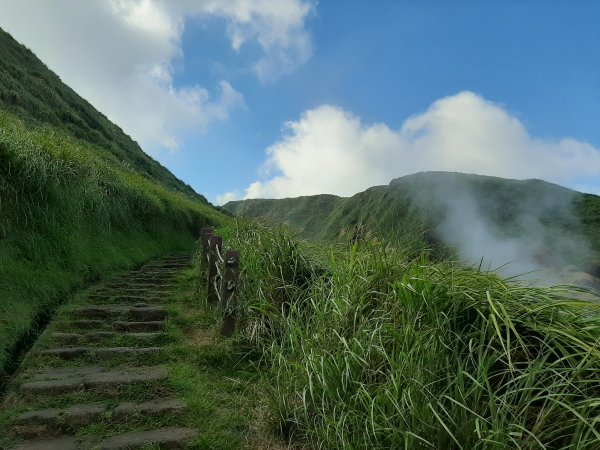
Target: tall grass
<point>36,95</point>
<point>70,214</point>
<point>382,348</point>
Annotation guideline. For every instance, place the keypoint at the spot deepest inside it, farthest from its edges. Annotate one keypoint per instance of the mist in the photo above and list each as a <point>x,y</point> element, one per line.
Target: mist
<point>530,232</point>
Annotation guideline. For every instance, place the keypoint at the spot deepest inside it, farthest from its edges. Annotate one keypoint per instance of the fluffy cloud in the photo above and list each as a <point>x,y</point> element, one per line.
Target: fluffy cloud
<point>120,55</point>
<point>329,150</point>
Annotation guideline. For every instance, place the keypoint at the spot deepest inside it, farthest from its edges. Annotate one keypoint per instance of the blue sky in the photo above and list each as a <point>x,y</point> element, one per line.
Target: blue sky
<point>368,90</point>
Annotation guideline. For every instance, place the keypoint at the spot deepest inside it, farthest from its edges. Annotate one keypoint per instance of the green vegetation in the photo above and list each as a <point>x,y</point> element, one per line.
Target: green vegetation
<point>78,198</point>
<point>417,204</point>
<point>368,346</point>
<point>218,379</point>
<point>35,94</point>
<point>353,345</point>
<point>70,215</point>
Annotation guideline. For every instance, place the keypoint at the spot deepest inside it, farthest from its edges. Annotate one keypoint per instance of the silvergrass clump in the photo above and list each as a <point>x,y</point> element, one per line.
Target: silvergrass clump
<point>381,348</point>
<point>275,273</point>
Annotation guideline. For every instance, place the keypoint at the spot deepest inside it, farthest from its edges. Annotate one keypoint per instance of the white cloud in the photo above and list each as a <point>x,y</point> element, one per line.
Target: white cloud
<point>120,55</point>
<point>227,197</point>
<point>329,150</point>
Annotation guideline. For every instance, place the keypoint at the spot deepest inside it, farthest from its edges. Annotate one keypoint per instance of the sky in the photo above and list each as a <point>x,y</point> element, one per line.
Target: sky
<point>280,98</point>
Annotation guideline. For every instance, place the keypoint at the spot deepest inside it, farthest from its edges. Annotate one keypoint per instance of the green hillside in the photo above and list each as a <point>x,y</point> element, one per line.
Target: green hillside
<point>78,199</point>
<point>415,205</point>
<point>30,91</point>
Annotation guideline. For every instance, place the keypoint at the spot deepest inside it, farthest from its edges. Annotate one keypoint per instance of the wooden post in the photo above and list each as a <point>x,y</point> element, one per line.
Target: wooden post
<point>215,245</point>
<point>228,289</point>
<point>205,234</point>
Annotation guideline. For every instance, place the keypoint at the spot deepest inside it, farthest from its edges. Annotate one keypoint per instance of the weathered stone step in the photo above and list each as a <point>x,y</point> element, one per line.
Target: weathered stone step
<point>160,271</point>
<point>105,290</point>
<point>167,262</point>
<point>115,297</point>
<point>74,416</point>
<point>81,415</point>
<point>158,406</point>
<point>147,280</point>
<point>118,325</point>
<point>99,352</point>
<point>173,265</point>
<point>66,380</point>
<point>170,270</point>
<point>139,326</point>
<point>118,296</point>
<point>139,313</point>
<point>146,287</point>
<point>65,443</point>
<point>170,437</point>
<point>96,336</point>
<point>82,324</point>
<point>138,285</point>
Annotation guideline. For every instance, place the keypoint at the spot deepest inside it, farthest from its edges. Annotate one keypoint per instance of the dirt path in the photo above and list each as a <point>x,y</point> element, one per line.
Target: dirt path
<point>97,377</point>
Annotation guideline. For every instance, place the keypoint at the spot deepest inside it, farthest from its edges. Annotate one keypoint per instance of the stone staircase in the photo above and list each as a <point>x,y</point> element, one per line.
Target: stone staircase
<point>97,377</point>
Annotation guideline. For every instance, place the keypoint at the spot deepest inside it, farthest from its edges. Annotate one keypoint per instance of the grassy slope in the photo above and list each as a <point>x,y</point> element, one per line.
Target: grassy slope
<point>408,205</point>
<point>78,198</point>
<point>30,91</point>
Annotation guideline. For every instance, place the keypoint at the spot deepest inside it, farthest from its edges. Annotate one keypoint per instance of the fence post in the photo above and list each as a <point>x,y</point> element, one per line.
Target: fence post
<point>205,234</point>
<point>215,245</point>
<point>228,288</point>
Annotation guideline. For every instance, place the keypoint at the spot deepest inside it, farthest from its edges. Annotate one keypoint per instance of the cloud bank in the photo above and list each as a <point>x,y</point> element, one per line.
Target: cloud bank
<point>120,55</point>
<point>329,150</point>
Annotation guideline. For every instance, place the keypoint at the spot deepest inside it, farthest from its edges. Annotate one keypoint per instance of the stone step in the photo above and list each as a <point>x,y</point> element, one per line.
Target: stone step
<point>149,280</point>
<point>139,313</point>
<point>118,325</point>
<point>65,443</point>
<point>67,380</point>
<point>134,299</point>
<point>158,406</point>
<point>33,422</point>
<point>97,336</point>
<point>142,295</point>
<point>152,271</point>
<point>74,416</point>
<point>99,352</point>
<point>167,265</point>
<point>82,324</point>
<point>139,326</point>
<point>105,290</point>
<point>168,270</point>
<point>169,437</point>
<point>138,285</point>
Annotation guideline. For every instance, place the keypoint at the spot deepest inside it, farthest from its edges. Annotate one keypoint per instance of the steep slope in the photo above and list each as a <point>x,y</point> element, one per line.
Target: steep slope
<point>453,208</point>
<point>30,91</point>
<point>79,199</point>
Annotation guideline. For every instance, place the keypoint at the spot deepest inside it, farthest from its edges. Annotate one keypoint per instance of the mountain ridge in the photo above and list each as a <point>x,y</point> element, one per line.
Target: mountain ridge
<point>418,203</point>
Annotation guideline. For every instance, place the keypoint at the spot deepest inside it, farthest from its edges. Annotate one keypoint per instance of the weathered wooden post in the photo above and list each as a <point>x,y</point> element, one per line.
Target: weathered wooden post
<point>205,234</point>
<point>215,245</point>
<point>228,289</point>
